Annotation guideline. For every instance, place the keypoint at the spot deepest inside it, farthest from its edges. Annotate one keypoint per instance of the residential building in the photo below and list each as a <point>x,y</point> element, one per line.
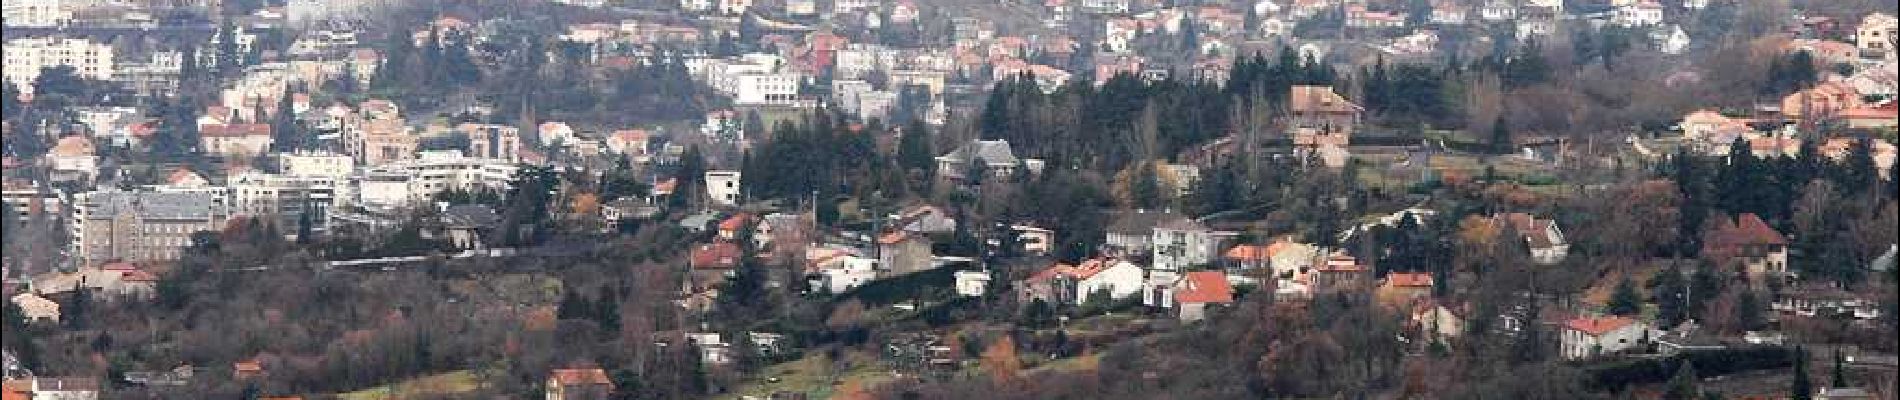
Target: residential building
<point>903,252</point>
<point>723,187</point>
<point>1746,243</point>
<point>53,388</point>
<point>972,283</point>
<point>286,199</point>
<point>1403,287</point>
<point>27,57</point>
<point>1497,11</point>
<point>846,272</point>
<point>1588,337</point>
<point>140,226</point>
<point>468,226</point>
<point>433,172</point>
<point>74,154</point>
<point>1822,100</point>
<point>1321,117</point>
<point>234,140</point>
<point>1180,244</point>
<point>1358,16</point>
<point>1876,36</point>
<point>1642,13</point>
<point>1198,290</point>
<point>579,384</point>
<point>1132,232</point>
<point>28,198</point>
<point>991,156</point>
<point>499,142</point>
<point>1543,238</point>
<point>315,163</point>
<point>35,308</point>
<point>35,14</point>
<point>1073,284</point>
<point>1439,321</point>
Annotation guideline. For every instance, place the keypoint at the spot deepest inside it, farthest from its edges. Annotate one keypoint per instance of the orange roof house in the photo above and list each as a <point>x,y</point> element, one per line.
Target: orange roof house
<point>578,383</point>
<point>720,255</point>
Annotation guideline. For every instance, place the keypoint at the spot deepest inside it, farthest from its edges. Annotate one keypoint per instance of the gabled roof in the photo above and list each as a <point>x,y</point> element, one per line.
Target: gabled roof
<point>233,130</point>
<point>720,255</point>
<point>73,146</point>
<point>580,376</point>
<point>1246,252</point>
<point>1408,279</point>
<point>995,152</point>
<point>1140,222</point>
<point>1319,99</point>
<point>1597,326</point>
<point>1087,269</point>
<point>1204,287</point>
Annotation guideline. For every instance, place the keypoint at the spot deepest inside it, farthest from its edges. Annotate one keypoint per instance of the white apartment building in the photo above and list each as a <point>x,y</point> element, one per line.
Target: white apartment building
<point>407,181</point>
<point>285,199</point>
<point>26,57</point>
<point>320,163</point>
<point>35,13</point>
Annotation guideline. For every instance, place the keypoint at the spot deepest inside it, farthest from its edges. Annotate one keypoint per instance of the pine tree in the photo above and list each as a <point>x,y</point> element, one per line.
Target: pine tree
<point>913,147</point>
<point>1683,385</point>
<point>1625,300</point>
<point>1501,137</point>
<point>1803,389</point>
<point>1840,369</point>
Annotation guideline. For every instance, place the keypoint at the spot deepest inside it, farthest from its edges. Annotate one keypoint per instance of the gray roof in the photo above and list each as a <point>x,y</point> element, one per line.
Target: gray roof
<point>1141,222</point>
<point>1886,260</point>
<point>990,151</point>
<point>153,205</point>
<point>469,216</point>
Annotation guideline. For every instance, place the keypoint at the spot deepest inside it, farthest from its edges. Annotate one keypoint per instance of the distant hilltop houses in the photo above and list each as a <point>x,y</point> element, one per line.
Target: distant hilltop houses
<point>606,199</point>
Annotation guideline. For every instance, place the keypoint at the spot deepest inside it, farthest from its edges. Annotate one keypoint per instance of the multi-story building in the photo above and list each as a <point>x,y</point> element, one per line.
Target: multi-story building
<point>318,163</point>
<point>285,199</point>
<point>402,183</point>
<point>35,13</point>
<point>27,57</point>
<point>27,198</point>
<point>1181,243</point>
<point>500,142</point>
<point>1875,36</point>
<point>1589,337</point>
<point>140,226</point>
<point>723,187</point>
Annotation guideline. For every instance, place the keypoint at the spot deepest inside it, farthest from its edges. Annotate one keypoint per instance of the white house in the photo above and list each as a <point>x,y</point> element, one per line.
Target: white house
<point>1670,39</point>
<point>1589,337</point>
<point>1643,13</point>
<point>1182,243</point>
<point>847,272</point>
<point>723,187</point>
<point>1546,242</point>
<point>1073,284</point>
<point>972,283</point>
<point>36,308</point>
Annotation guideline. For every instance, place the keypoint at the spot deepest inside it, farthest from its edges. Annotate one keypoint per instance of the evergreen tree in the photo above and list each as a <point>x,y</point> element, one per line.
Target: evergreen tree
<point>1803,388</point>
<point>913,147</point>
<point>1682,386</point>
<point>286,132</point>
<point>1840,369</point>
<point>1501,137</point>
<point>1859,174</point>
<point>1625,301</point>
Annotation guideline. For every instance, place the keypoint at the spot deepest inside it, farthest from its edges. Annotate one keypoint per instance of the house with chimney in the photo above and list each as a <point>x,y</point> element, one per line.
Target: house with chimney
<point>1746,243</point>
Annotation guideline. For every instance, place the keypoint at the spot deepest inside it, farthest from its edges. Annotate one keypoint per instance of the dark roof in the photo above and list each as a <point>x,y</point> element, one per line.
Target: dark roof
<point>469,216</point>
<point>1141,222</point>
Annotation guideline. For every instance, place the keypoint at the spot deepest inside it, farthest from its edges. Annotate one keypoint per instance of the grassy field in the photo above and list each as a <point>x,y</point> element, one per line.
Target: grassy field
<point>812,375</point>
<point>445,383</point>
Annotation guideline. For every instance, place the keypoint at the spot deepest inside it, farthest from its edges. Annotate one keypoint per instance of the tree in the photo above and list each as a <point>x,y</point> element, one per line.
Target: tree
<point>1501,137</point>
<point>1625,300</point>
<point>1802,389</point>
<point>913,147</point>
<point>1840,369</point>
<point>1682,386</point>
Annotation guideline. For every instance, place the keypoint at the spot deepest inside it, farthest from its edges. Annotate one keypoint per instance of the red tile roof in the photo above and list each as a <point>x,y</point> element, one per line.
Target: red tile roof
<point>1597,326</point>
<point>735,222</point>
<point>1408,279</point>
<point>1204,287</point>
<point>1247,252</point>
<point>715,256</point>
<point>580,376</point>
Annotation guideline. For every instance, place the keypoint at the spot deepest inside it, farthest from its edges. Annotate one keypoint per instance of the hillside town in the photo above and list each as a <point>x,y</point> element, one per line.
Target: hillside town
<point>950,199</point>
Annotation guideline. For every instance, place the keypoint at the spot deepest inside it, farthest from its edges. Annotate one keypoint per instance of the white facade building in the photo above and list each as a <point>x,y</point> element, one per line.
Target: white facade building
<point>35,13</point>
<point>1589,337</point>
<point>26,57</point>
<point>723,187</point>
